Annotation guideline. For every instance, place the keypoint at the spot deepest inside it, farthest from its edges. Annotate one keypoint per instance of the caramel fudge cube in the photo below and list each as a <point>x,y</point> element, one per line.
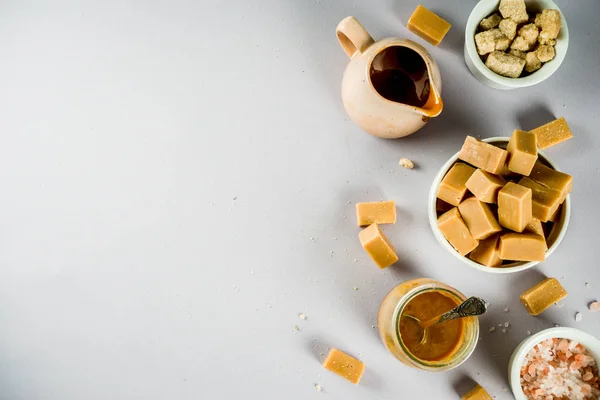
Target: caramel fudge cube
<point>479,218</point>
<point>344,365</point>
<point>485,186</point>
<point>514,207</point>
<point>477,393</point>
<point>483,155</point>
<point>535,226</point>
<point>544,201</point>
<point>455,231</point>
<point>532,62</point>
<point>508,27</point>
<point>545,53</point>
<point>487,253</point>
<point>453,187</point>
<point>552,179</point>
<point>381,212</point>
<point>505,64</point>
<point>522,247</point>
<point>522,152</point>
<point>549,22</point>
<point>377,246</point>
<point>490,22</point>
<point>543,295</point>
<point>428,25</point>
<point>514,9</point>
<point>552,133</point>
<point>491,40</point>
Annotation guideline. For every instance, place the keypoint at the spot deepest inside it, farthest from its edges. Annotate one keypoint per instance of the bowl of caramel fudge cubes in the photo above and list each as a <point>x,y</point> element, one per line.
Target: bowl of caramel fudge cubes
<point>501,205</point>
<point>515,43</point>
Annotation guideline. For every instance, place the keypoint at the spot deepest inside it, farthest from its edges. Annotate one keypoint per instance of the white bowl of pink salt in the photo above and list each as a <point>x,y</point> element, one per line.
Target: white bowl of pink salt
<point>556,363</point>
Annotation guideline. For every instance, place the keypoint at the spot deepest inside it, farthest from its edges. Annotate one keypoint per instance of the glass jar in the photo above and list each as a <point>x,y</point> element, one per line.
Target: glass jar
<point>388,323</point>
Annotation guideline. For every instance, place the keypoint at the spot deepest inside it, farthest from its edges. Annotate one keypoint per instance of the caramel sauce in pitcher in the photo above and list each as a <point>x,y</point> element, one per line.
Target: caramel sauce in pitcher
<point>400,74</point>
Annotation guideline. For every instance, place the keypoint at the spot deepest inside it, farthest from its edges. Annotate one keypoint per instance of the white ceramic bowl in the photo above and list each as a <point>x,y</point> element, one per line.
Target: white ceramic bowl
<point>516,360</point>
<point>490,78</point>
<point>556,236</point>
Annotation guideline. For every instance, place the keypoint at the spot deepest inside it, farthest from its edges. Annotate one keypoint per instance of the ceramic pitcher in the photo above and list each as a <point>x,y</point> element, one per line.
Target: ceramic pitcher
<point>377,112</point>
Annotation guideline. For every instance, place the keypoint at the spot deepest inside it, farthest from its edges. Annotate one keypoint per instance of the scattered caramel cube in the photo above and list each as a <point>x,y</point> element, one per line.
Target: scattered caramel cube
<point>532,62</point>
<point>514,9</point>
<point>453,187</point>
<point>545,53</point>
<point>344,365</point>
<point>487,253</point>
<point>522,152</point>
<point>543,295</point>
<point>552,179</point>
<point>508,27</point>
<point>428,25</point>
<point>505,64</point>
<point>549,22</point>
<point>377,245</point>
<point>545,201</point>
<point>455,231</point>
<point>477,393</point>
<point>522,247</point>
<point>483,155</point>
<point>485,186</point>
<point>530,33</point>
<point>381,212</point>
<point>479,218</point>
<point>490,22</point>
<point>491,40</point>
<point>552,133</point>
<point>514,206</point>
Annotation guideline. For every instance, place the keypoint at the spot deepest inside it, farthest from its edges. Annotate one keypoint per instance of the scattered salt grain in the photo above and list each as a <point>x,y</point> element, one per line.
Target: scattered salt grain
<point>559,305</point>
<point>355,288</point>
<point>594,306</point>
<point>506,324</point>
<point>587,284</point>
<point>529,332</point>
<point>506,309</point>
<point>492,329</point>
<point>296,327</point>
<point>578,317</point>
<point>503,330</point>
<point>302,316</point>
<point>318,387</point>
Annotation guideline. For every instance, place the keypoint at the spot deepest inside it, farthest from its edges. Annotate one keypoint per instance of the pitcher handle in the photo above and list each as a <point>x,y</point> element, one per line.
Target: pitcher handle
<point>352,36</point>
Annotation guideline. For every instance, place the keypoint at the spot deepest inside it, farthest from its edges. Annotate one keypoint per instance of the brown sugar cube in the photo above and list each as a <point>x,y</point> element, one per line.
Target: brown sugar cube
<point>381,212</point>
<point>453,187</point>
<point>552,133</point>
<point>490,22</point>
<point>483,155</point>
<point>545,53</point>
<point>522,247</point>
<point>518,53</point>
<point>508,27</point>
<point>344,365</point>
<point>530,33</point>
<point>521,44</point>
<point>485,186</point>
<point>505,64</point>
<point>377,246</point>
<point>543,295</point>
<point>549,42</point>
<point>545,201</point>
<point>514,207</point>
<point>549,22</point>
<point>522,152</point>
<point>479,218</point>
<point>441,206</point>
<point>487,253</point>
<point>455,231</point>
<point>532,62</point>
<point>552,179</point>
<point>514,9</point>
<point>477,393</point>
<point>428,25</point>
<point>491,40</point>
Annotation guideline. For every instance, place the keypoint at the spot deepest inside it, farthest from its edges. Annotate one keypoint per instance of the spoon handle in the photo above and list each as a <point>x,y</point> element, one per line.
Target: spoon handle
<point>471,307</point>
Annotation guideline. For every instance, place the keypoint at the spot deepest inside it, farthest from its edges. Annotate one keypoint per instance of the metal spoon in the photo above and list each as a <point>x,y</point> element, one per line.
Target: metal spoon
<point>469,308</point>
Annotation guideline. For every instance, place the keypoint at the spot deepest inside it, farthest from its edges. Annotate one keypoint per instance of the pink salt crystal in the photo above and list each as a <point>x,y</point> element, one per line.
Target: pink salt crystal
<point>594,306</point>
<point>587,376</point>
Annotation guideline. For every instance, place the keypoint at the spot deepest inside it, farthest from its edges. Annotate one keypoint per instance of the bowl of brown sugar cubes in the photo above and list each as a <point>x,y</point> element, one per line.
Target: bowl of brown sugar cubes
<point>512,44</point>
<point>500,205</point>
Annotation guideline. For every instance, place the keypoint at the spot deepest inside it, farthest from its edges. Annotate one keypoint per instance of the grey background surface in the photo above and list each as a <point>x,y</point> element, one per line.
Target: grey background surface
<point>179,181</point>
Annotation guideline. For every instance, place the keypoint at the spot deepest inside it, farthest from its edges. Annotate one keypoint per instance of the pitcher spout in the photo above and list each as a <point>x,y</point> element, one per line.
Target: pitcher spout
<point>434,105</point>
